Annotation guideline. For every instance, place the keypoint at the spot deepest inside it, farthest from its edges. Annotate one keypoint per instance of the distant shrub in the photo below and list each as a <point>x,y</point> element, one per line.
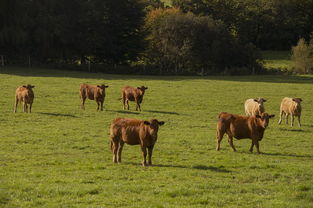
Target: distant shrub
<point>183,43</point>
<point>302,55</point>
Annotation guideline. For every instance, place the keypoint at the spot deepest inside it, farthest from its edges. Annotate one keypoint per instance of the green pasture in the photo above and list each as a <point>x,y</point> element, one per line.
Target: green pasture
<point>277,60</point>
<point>59,156</point>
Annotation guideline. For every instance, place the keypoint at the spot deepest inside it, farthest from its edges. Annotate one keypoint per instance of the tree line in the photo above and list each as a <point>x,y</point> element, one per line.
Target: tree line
<point>191,37</point>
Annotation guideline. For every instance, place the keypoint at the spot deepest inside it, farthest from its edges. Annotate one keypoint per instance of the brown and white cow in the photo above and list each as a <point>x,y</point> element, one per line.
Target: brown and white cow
<point>25,95</point>
<point>92,92</point>
<point>242,127</point>
<point>133,94</point>
<point>134,132</point>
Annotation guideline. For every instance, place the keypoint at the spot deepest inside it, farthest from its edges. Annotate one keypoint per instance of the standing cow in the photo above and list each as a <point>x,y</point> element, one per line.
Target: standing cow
<point>25,95</point>
<point>92,92</point>
<point>241,127</point>
<point>133,94</point>
<point>134,132</point>
<point>290,106</point>
<point>255,106</point>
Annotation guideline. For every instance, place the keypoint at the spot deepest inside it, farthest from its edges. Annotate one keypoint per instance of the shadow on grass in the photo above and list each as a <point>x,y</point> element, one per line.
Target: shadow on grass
<point>43,72</point>
<point>58,114</point>
<point>197,167</point>
<point>215,169</point>
<point>287,155</point>
<point>294,130</point>
<point>124,112</point>
<point>163,112</point>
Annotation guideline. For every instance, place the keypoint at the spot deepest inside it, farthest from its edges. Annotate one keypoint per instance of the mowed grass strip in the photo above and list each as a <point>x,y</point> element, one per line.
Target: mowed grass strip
<point>59,156</point>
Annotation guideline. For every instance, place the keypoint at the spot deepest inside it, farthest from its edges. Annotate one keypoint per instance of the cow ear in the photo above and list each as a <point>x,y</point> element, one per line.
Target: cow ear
<point>106,86</point>
<point>138,88</point>
<point>161,123</point>
<point>33,86</point>
<point>264,100</point>
<point>146,88</point>
<point>293,99</point>
<point>99,86</point>
<point>24,86</point>
<point>256,100</point>
<point>146,122</point>
<point>300,99</point>
<point>271,116</point>
<point>258,116</point>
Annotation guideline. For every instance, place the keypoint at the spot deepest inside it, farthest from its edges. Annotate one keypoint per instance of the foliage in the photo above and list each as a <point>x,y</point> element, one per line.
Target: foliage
<point>186,43</point>
<point>59,155</point>
<point>268,24</point>
<point>302,55</point>
<point>62,31</point>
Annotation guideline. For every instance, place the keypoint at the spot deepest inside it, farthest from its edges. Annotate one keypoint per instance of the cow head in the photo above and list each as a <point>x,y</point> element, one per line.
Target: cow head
<point>263,119</point>
<point>101,88</point>
<point>260,101</point>
<point>29,87</point>
<point>297,100</point>
<point>153,126</point>
<point>142,89</point>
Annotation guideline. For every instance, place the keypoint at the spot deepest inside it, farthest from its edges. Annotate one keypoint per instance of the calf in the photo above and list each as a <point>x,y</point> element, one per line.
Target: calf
<point>92,92</point>
<point>133,94</point>
<point>133,132</point>
<point>254,107</point>
<point>24,94</point>
<point>290,106</point>
<point>241,127</point>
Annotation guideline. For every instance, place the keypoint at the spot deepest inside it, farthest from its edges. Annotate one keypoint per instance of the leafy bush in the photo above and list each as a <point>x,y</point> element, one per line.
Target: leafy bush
<point>183,43</point>
<point>302,55</point>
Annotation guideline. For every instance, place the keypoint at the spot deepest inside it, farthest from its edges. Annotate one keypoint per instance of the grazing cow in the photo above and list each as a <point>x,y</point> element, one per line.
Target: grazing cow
<point>241,127</point>
<point>133,94</point>
<point>254,107</point>
<point>24,94</point>
<point>290,106</point>
<point>133,132</point>
<point>92,92</point>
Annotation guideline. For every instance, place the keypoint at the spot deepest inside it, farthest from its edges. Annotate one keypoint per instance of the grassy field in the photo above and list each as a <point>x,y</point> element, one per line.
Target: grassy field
<point>58,156</point>
<point>279,60</point>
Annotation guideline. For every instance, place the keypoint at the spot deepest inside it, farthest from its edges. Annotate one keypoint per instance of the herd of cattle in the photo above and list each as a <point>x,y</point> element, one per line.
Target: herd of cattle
<point>144,133</point>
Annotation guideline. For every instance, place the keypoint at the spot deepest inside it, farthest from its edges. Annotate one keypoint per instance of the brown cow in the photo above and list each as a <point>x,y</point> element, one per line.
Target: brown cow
<point>242,127</point>
<point>133,94</point>
<point>133,132</point>
<point>24,94</point>
<point>290,106</point>
<point>92,92</point>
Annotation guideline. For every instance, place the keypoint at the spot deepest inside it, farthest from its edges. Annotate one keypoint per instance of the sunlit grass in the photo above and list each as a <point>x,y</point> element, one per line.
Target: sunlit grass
<point>279,60</point>
<point>58,156</point>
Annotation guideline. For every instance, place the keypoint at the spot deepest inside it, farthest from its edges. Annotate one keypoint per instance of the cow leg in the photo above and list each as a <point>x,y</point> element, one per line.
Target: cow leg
<point>119,151</point>
<point>219,136</point>
<point>292,119</point>
<point>256,143</point>
<point>16,103</point>
<point>83,103</point>
<point>299,121</point>
<point>144,154</point>
<point>127,104</point>
<point>138,105</point>
<point>115,148</point>
<point>281,117</point>
<point>25,107</point>
<point>98,104</point>
<point>150,149</point>
<point>30,107</point>
<point>230,141</point>
<point>251,148</point>
<point>286,117</point>
<point>101,105</point>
